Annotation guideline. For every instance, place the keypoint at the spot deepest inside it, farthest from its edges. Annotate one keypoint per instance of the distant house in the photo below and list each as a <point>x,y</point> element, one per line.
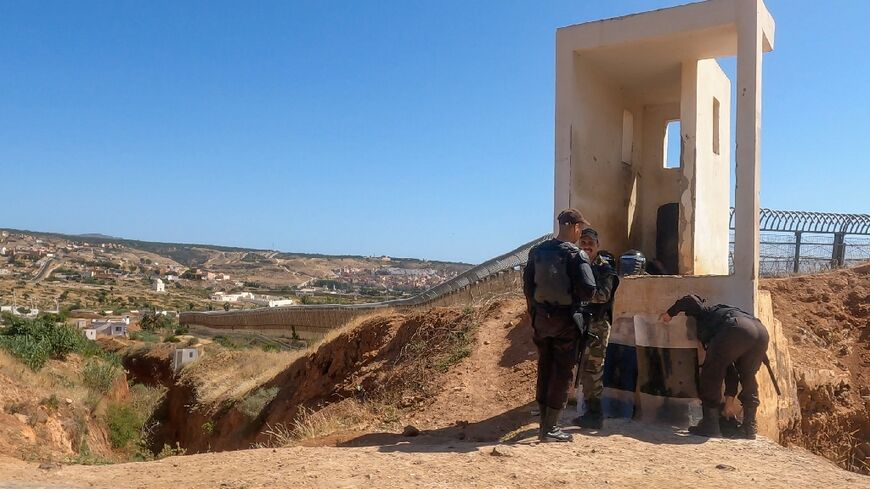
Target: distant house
<point>159,286</point>
<point>224,297</point>
<point>107,328</point>
<point>183,356</point>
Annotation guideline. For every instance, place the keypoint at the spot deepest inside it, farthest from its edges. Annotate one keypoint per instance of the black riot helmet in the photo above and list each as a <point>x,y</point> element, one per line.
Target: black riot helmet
<point>632,262</point>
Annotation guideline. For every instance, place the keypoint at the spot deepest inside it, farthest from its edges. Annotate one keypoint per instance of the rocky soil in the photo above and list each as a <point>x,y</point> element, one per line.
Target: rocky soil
<point>827,319</point>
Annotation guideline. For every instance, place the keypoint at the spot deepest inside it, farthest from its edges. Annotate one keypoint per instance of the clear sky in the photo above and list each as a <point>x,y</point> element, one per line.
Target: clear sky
<point>407,128</point>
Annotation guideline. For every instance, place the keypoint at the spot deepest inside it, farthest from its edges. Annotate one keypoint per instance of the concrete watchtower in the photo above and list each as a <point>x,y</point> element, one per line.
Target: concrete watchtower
<point>619,82</point>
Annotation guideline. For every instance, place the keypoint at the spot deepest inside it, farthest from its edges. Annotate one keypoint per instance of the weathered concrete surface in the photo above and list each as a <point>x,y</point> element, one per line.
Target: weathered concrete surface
<point>618,84</point>
<point>649,296</point>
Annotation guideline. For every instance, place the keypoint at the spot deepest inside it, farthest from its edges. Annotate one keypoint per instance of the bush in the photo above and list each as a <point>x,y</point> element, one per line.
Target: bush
<point>51,402</point>
<point>34,341</point>
<point>99,376</point>
<point>124,425</point>
<point>253,404</point>
<point>146,336</point>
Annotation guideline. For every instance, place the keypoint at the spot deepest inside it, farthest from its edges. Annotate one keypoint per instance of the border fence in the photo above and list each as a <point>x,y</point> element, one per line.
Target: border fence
<point>806,242</point>
<point>791,242</point>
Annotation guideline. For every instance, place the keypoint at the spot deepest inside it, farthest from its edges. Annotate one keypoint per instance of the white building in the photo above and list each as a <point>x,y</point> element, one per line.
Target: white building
<point>183,356</point>
<point>106,327</point>
<point>159,286</point>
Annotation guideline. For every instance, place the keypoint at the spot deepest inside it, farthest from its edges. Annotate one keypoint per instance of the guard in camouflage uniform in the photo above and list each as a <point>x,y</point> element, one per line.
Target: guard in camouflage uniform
<point>600,308</point>
<point>556,281</point>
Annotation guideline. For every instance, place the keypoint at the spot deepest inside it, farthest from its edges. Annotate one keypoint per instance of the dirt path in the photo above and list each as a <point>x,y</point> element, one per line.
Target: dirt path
<point>482,394</point>
<point>625,455</point>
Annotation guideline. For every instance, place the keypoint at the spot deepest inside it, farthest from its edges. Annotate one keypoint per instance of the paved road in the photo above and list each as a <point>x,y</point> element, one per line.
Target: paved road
<point>45,270</point>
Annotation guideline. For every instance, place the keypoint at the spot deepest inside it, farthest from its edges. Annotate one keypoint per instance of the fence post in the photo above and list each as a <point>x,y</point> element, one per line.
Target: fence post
<point>797,251</point>
<point>838,259</point>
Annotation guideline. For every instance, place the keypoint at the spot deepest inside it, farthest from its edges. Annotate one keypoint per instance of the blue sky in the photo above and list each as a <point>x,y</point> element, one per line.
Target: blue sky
<point>404,128</point>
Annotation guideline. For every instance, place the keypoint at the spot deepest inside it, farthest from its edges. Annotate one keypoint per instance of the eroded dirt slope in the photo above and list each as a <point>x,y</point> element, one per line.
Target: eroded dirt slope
<point>827,319</point>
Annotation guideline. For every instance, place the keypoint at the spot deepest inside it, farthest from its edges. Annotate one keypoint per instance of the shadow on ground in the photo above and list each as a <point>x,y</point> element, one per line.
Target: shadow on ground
<point>516,426</point>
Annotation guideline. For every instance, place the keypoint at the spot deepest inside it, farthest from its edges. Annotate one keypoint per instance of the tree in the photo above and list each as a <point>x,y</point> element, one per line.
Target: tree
<point>226,306</point>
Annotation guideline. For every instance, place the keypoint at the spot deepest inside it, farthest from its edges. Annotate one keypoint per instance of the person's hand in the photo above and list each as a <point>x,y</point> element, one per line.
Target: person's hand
<point>665,317</point>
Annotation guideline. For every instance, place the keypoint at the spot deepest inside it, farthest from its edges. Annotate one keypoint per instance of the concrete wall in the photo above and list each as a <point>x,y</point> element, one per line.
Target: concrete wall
<point>647,297</point>
<point>314,322</point>
<point>706,174</point>
<point>589,130</point>
<point>658,185</point>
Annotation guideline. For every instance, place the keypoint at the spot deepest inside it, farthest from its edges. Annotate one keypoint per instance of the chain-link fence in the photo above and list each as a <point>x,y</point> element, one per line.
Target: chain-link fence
<point>784,253</point>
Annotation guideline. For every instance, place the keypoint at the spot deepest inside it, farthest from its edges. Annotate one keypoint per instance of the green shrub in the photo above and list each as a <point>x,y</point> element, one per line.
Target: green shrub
<point>226,342</point>
<point>99,376</point>
<point>146,336</point>
<point>34,341</point>
<point>124,425</point>
<point>171,339</point>
<point>51,402</point>
<point>254,403</point>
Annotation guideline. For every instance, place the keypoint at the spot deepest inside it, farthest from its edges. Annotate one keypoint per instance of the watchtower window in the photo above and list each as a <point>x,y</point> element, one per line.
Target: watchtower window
<point>672,144</point>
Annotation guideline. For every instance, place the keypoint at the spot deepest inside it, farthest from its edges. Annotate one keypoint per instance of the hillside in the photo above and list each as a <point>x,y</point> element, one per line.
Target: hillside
<point>462,378</point>
<point>421,398</point>
<point>45,271</point>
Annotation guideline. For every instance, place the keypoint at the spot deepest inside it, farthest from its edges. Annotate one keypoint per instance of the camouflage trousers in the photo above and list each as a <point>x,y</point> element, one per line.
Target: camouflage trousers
<point>593,360</point>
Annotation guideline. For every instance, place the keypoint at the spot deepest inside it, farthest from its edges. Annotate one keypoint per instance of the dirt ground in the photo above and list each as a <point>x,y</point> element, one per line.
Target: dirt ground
<point>827,319</point>
<point>627,455</point>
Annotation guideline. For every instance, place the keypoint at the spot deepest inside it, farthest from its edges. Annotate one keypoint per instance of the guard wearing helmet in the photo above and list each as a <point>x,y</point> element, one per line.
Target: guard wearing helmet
<point>600,309</point>
<point>556,280</point>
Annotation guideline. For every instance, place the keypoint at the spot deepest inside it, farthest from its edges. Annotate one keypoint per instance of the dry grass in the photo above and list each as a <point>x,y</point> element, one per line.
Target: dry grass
<point>309,424</point>
<point>57,377</point>
<point>230,376</point>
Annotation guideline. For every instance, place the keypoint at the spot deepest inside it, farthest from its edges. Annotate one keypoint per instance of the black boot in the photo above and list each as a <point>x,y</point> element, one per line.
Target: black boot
<point>749,428</point>
<point>709,425</point>
<point>550,430</point>
<point>593,419</point>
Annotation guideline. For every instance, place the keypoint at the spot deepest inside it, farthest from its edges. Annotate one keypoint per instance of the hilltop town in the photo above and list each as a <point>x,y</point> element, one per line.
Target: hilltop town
<point>52,273</point>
